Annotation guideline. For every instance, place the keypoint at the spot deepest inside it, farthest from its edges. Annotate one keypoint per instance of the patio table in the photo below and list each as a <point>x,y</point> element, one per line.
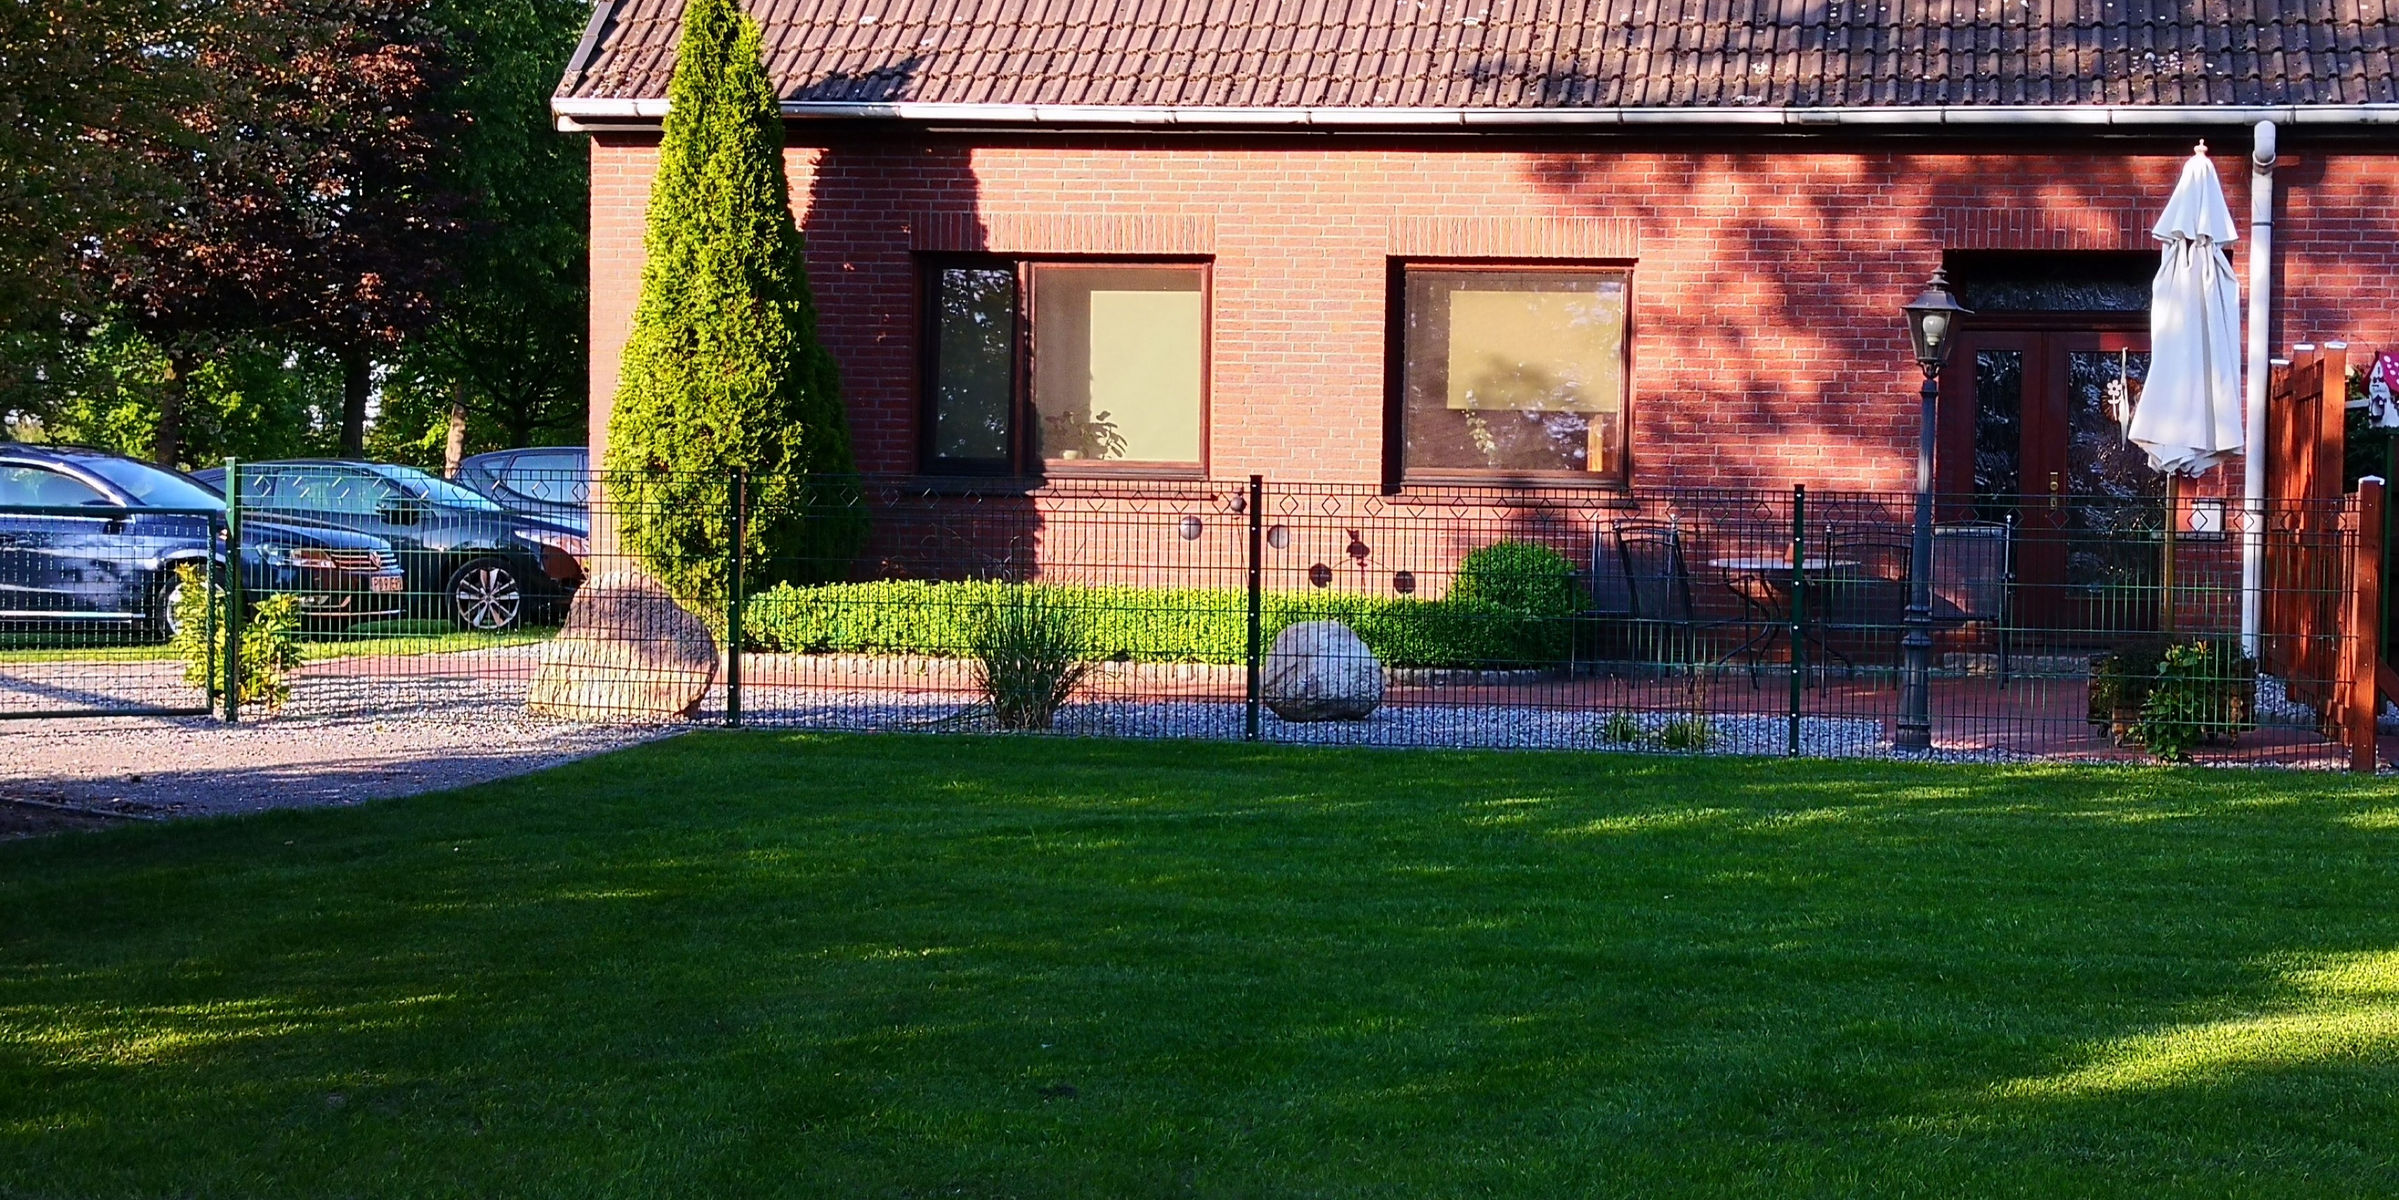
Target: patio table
<point>1765,584</point>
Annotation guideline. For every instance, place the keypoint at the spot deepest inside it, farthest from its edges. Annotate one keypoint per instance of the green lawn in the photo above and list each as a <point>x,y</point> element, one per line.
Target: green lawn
<point>758,964</point>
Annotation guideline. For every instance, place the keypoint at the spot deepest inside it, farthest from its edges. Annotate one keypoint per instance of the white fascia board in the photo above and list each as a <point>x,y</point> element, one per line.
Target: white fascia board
<point>576,114</point>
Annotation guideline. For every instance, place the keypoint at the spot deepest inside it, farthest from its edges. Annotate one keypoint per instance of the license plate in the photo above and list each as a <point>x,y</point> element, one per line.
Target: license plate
<point>384,583</point>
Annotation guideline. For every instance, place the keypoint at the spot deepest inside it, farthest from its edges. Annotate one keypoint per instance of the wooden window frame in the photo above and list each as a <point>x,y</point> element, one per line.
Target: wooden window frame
<point>1396,475</point>
<point>1022,464</point>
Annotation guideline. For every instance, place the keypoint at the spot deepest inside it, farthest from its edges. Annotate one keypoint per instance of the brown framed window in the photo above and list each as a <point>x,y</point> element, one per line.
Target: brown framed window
<point>1507,371</point>
<point>1058,367</point>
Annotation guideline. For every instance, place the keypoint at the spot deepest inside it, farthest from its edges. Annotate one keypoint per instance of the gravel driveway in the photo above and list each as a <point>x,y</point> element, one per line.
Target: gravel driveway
<point>194,766</point>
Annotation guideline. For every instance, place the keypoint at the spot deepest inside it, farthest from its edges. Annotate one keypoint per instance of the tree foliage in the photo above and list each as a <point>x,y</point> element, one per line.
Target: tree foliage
<point>309,201</point>
<point>723,370</point>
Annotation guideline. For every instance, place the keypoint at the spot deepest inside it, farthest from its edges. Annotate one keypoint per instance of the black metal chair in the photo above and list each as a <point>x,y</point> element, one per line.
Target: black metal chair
<point>1972,579</point>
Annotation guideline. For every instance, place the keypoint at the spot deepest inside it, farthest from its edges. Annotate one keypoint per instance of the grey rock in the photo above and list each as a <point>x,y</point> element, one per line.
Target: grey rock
<point>1320,671</point>
<point>627,652</point>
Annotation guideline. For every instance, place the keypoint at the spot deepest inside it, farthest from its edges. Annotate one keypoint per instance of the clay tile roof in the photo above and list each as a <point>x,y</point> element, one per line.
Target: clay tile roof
<point>1532,54</point>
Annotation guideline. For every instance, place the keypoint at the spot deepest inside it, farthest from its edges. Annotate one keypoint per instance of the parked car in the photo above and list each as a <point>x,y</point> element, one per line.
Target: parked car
<point>116,566</point>
<point>466,558</point>
<point>551,483</point>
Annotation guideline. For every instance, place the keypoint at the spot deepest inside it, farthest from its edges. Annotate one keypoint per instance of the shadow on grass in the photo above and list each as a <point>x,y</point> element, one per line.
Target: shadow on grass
<point>902,966</point>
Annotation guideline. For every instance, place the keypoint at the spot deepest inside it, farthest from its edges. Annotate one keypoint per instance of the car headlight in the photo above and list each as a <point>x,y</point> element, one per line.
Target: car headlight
<point>567,542</point>
<point>297,556</point>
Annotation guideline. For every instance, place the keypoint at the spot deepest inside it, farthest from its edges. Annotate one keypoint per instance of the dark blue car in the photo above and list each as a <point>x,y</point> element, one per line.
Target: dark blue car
<point>92,539</point>
<point>466,558</point>
<point>547,483</point>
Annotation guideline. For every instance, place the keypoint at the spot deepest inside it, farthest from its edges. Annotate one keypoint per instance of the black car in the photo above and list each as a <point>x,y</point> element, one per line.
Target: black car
<point>550,483</point>
<point>92,539</point>
<point>466,558</point>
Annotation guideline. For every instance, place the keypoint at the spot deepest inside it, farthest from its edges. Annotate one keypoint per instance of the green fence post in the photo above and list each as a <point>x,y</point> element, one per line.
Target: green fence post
<point>233,592</point>
<point>737,520</point>
<point>1257,631</point>
<point>1799,606</point>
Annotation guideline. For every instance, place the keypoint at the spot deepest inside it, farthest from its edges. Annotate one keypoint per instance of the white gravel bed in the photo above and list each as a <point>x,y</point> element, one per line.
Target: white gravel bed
<point>197,766</point>
<point>1492,727</point>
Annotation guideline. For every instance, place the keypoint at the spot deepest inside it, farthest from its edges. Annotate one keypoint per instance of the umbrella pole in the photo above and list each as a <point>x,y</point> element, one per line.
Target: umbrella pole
<point>2165,622</point>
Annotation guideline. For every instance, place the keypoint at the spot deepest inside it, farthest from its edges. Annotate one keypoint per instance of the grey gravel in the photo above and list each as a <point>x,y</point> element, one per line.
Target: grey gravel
<point>196,766</point>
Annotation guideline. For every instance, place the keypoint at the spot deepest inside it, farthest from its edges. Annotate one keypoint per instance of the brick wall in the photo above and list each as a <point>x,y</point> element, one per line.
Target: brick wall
<point>1767,347</point>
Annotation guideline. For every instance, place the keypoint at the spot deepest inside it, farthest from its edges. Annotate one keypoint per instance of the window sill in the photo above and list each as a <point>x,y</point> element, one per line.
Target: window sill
<point>1561,481</point>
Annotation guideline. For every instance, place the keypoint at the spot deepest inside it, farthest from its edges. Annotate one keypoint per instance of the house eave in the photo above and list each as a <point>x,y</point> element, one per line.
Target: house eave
<point>579,114</point>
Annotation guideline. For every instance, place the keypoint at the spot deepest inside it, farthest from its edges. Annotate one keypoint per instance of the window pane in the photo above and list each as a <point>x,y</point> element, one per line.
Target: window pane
<point>974,311</point>
<point>1117,363</point>
<point>1514,370</point>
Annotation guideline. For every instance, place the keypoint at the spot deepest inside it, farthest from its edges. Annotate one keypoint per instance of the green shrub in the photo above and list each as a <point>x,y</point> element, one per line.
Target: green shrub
<point>722,369</point>
<point>1532,582</point>
<point>1196,625</point>
<point>2168,696</point>
<point>2199,690</point>
<point>1030,656</point>
<point>1622,728</point>
<point>1518,576</point>
<point>269,651</point>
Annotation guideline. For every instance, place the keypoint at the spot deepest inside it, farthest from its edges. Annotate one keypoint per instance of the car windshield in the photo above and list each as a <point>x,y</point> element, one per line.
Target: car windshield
<point>153,486</point>
<point>435,490</point>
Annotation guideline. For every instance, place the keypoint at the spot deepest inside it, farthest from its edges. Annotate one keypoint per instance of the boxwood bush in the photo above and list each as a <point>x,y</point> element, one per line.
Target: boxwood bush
<point>1195,625</point>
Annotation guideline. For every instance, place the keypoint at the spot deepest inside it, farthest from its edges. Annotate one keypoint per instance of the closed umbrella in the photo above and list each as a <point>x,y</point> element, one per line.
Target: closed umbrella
<point>2189,420</point>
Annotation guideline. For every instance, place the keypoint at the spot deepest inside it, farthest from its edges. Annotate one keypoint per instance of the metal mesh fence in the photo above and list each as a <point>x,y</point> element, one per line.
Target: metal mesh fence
<point>1753,622</point>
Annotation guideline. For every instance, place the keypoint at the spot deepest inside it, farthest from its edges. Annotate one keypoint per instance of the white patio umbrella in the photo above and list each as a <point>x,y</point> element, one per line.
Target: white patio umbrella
<point>2189,420</point>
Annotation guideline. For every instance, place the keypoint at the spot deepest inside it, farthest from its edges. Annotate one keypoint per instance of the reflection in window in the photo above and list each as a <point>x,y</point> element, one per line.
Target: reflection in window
<point>974,318</point>
<point>1107,363</point>
<point>1513,371</point>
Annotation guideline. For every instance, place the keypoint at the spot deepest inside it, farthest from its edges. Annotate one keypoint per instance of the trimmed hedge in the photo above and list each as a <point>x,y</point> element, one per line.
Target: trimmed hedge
<point>1195,625</point>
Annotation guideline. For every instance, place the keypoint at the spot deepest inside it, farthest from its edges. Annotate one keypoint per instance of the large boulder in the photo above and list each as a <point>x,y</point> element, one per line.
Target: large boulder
<point>628,652</point>
<point>1320,671</point>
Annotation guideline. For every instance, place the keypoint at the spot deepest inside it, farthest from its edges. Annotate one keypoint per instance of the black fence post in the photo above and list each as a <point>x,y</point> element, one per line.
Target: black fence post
<point>1257,554</point>
<point>1799,607</point>
<point>737,520</point>
<point>233,592</point>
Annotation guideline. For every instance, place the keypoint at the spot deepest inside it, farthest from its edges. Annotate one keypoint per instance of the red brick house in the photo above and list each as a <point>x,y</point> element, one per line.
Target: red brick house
<point>1589,242</point>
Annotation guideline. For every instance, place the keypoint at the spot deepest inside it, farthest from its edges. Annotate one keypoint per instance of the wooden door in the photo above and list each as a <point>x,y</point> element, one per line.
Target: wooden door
<point>2030,432</point>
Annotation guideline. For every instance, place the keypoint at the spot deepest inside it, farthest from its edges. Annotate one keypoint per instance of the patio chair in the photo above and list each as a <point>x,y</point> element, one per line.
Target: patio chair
<point>1971,578</point>
<point>1656,583</point>
<point>1862,596</point>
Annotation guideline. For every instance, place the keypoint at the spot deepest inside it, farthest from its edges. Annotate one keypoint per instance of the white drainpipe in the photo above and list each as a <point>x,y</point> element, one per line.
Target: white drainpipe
<point>2253,453</point>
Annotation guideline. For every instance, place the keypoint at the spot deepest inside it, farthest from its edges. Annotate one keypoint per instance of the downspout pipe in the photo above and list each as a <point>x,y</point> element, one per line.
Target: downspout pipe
<point>2253,450</point>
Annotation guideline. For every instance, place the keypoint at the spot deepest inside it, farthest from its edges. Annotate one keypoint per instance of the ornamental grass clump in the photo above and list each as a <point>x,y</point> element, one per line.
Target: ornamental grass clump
<point>1030,656</point>
<point>270,649</point>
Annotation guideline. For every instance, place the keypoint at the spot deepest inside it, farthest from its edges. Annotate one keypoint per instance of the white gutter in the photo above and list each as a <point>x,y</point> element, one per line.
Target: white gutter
<point>576,114</point>
<point>2253,398</point>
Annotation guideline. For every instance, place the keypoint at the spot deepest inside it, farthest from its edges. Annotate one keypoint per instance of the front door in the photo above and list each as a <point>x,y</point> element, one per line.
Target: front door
<point>2032,431</point>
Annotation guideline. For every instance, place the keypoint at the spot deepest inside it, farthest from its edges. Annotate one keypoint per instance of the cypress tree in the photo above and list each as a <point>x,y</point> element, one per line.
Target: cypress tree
<point>723,370</point>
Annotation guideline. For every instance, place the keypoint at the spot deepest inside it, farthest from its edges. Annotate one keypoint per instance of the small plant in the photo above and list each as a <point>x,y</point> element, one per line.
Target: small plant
<point>1621,728</point>
<point>1030,657</point>
<point>2200,692</point>
<point>269,651</point>
<point>1691,732</point>
<point>2168,696</point>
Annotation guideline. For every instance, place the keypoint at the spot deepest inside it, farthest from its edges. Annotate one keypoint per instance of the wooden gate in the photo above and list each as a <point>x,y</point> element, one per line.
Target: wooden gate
<point>2299,625</point>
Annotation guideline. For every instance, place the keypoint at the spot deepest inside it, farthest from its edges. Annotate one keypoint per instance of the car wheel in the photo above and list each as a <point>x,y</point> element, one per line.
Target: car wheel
<point>484,595</point>
<point>166,598</point>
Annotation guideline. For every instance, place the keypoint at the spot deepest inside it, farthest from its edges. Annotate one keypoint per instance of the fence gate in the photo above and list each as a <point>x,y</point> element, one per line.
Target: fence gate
<point>90,597</point>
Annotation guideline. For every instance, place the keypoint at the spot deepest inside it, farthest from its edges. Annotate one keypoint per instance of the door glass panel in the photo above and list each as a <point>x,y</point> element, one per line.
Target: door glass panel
<point>2117,500</point>
<point>1998,432</point>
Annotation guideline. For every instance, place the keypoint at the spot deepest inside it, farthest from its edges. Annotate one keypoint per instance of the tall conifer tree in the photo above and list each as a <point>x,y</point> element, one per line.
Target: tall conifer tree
<point>723,370</point>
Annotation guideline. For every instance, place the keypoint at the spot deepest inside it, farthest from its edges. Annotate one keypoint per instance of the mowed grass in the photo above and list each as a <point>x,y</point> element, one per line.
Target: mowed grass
<point>375,639</point>
<point>768,964</point>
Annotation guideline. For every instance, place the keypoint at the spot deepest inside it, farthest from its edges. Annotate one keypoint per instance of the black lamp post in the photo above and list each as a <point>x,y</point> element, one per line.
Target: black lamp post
<point>1932,325</point>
